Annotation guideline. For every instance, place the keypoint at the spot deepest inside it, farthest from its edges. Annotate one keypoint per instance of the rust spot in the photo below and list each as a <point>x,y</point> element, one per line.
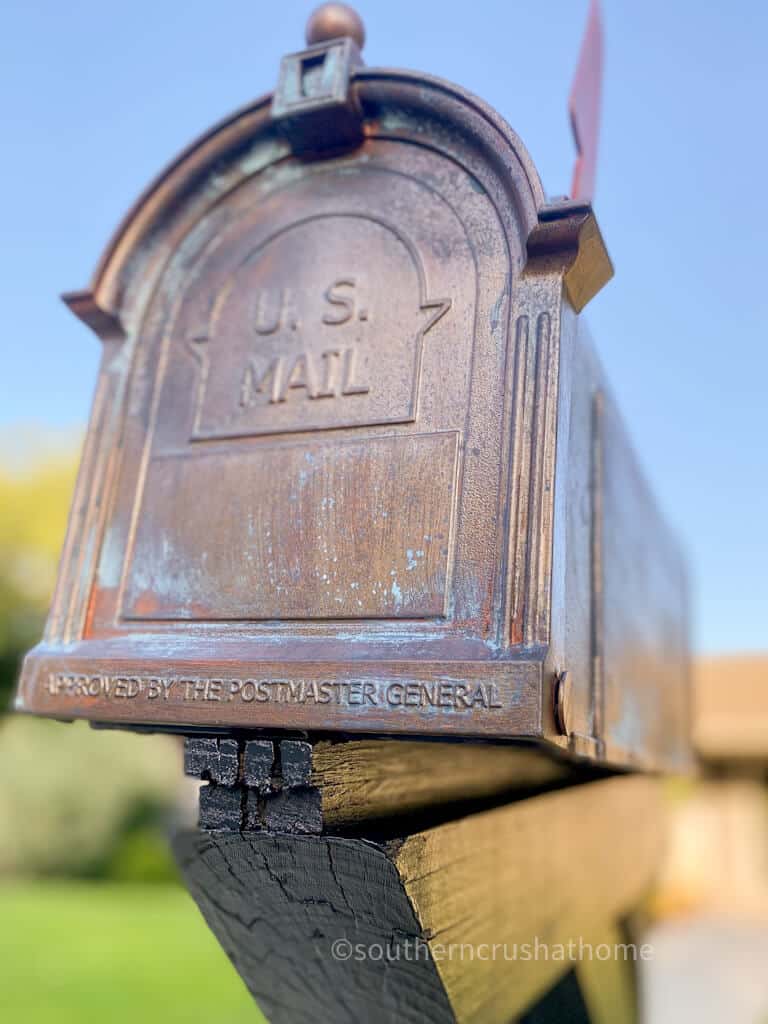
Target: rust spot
<point>147,605</point>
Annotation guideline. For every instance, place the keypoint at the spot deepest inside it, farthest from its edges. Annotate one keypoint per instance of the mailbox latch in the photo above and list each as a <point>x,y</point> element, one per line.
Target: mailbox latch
<point>314,103</point>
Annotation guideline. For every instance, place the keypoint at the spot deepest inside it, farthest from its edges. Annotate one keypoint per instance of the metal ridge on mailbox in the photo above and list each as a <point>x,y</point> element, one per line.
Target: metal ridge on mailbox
<point>351,464</point>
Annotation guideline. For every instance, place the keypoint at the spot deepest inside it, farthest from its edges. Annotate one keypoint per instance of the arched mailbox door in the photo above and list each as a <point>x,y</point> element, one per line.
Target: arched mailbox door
<point>318,374</point>
<point>326,482</point>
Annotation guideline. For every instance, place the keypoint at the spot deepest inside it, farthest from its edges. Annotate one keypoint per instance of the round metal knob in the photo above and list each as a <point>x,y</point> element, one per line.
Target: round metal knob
<point>333,21</point>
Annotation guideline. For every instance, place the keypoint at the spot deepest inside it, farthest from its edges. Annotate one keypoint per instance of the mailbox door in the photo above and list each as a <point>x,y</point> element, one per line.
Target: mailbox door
<point>317,438</point>
<point>329,397</point>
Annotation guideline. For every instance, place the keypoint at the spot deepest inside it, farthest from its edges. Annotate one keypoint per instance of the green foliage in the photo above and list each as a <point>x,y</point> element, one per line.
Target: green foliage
<point>74,801</point>
<point>21,623</point>
<point>33,513</point>
<point>91,953</point>
<point>141,855</point>
<point>82,802</point>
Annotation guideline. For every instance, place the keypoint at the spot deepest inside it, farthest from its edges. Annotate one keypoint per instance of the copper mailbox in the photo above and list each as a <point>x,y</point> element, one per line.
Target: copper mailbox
<point>351,463</point>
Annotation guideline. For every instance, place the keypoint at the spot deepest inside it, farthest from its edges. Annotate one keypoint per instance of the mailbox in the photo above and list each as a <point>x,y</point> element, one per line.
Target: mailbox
<point>352,464</point>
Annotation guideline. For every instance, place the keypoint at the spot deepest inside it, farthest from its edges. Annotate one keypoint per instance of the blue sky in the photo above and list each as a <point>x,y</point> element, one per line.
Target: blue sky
<point>96,98</point>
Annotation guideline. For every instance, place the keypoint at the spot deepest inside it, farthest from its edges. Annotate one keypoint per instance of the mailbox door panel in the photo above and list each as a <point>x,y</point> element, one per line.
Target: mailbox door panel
<point>316,432</point>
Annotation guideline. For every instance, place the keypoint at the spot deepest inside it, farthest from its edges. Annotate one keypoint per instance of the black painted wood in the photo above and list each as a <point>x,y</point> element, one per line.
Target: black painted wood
<point>221,807</point>
<point>278,903</point>
<point>564,865</point>
<point>563,1004</point>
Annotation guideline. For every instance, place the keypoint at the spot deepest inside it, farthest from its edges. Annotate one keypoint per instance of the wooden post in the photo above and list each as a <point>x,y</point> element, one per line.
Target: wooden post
<point>473,920</point>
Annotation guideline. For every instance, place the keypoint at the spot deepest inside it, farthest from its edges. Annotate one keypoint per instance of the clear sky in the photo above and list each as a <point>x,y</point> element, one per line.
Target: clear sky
<point>95,98</point>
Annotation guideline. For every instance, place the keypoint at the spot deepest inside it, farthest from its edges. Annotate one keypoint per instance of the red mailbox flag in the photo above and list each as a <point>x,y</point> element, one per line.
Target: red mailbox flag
<point>584,105</point>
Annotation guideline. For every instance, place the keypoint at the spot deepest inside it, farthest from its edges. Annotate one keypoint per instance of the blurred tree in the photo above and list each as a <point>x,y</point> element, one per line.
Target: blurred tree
<point>34,503</point>
<point>85,802</point>
<point>74,801</point>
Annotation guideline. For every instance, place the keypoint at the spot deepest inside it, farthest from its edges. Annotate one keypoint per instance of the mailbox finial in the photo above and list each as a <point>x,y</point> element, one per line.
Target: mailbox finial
<point>334,21</point>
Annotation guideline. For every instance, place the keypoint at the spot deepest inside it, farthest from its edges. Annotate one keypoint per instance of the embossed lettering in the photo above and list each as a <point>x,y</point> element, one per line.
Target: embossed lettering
<point>292,338</point>
<point>335,376</point>
<point>270,314</point>
<point>345,303</point>
<point>350,387</point>
<point>256,382</point>
<point>300,375</point>
<point>447,696</point>
<point>328,358</point>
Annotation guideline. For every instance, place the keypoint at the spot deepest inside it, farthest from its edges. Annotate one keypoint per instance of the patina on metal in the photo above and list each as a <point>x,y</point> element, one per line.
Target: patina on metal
<point>352,464</point>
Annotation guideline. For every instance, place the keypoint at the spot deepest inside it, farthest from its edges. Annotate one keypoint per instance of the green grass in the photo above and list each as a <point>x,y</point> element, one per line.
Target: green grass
<point>85,953</point>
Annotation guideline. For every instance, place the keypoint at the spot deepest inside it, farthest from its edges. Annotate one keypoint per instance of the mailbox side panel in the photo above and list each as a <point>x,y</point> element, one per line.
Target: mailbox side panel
<point>616,686</point>
<point>642,650</point>
<point>572,640</point>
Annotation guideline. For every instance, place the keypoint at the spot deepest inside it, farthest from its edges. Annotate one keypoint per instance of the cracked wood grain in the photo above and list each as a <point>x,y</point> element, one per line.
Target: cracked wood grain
<point>277,904</point>
<point>559,866</point>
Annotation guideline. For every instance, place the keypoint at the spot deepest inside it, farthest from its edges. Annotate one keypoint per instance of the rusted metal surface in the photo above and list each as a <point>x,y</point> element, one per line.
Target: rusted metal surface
<point>340,468</point>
